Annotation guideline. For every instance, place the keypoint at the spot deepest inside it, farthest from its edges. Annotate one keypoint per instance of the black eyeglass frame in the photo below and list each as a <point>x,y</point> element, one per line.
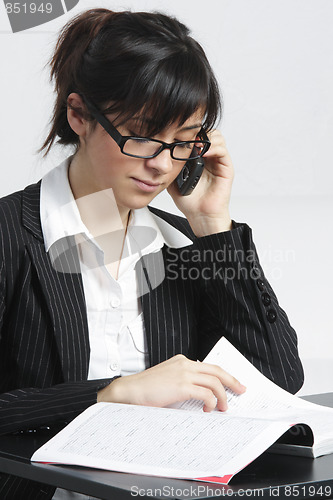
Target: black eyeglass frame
<point>122,139</point>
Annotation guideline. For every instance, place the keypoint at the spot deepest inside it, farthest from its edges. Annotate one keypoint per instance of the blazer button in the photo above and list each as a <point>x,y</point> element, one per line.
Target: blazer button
<point>261,285</point>
<point>266,299</point>
<point>271,315</point>
<point>255,271</point>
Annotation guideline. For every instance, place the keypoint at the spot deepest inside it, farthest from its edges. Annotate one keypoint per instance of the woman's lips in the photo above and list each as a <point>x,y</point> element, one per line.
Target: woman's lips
<point>149,187</point>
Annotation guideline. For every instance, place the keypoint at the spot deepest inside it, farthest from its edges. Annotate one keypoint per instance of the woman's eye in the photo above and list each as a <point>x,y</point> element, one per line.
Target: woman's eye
<point>186,145</point>
<point>137,137</point>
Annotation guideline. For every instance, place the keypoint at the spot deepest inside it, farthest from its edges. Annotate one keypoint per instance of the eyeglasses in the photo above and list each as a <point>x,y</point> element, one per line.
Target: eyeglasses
<point>144,147</point>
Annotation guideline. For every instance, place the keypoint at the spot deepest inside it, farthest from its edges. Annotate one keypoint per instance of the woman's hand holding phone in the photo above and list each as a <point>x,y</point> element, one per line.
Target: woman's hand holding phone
<point>207,208</point>
<point>174,380</point>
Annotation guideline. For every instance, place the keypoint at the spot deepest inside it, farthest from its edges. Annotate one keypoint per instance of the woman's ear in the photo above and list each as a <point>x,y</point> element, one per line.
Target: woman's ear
<point>75,114</point>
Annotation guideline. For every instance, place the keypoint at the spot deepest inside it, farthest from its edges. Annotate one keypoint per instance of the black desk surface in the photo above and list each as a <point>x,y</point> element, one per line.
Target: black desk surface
<point>269,476</point>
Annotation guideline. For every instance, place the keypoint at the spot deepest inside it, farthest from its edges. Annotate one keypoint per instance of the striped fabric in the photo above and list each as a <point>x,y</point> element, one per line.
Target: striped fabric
<point>44,345</point>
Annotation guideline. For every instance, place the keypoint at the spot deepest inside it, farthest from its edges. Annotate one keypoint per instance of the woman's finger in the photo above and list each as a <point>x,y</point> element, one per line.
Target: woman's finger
<point>225,377</point>
<point>215,386</point>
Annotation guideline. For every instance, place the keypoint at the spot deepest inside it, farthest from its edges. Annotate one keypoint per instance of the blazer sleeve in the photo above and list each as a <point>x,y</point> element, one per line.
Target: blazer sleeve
<point>31,408</point>
<point>239,303</point>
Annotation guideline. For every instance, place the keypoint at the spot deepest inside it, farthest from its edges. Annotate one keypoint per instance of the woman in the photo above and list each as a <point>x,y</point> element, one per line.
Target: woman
<point>102,297</point>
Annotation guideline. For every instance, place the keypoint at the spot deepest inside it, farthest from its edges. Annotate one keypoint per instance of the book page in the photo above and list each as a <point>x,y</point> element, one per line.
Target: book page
<point>160,441</point>
<point>264,399</point>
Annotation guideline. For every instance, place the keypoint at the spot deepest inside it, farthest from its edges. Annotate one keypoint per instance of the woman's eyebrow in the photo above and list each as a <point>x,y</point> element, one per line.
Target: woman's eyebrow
<point>191,127</point>
<point>151,122</point>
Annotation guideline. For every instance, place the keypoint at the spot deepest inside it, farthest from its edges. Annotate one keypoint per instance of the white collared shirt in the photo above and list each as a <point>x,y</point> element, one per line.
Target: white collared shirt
<point>115,320</point>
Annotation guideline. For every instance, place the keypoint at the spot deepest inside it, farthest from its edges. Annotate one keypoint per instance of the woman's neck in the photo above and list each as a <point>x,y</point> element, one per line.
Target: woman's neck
<point>98,208</point>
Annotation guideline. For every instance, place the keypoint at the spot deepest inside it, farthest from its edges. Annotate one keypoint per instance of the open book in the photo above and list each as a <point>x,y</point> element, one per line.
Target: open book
<point>182,441</point>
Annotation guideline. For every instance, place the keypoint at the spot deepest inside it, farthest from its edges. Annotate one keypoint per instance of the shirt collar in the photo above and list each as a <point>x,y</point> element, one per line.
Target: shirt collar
<point>60,217</point>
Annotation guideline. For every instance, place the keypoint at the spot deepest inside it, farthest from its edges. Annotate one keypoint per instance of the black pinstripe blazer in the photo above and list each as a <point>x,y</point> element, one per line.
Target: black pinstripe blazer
<point>44,342</point>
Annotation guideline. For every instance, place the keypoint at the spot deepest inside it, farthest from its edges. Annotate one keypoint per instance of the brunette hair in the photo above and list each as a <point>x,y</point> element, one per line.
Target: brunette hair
<point>130,62</point>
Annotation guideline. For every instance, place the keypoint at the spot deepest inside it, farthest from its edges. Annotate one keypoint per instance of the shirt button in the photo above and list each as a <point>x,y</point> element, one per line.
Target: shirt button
<point>115,302</point>
<point>114,366</point>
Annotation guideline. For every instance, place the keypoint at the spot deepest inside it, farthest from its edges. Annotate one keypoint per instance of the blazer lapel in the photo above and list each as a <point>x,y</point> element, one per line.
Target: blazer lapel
<point>62,290</point>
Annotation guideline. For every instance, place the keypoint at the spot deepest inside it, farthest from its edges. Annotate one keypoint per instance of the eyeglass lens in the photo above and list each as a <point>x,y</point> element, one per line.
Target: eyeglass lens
<point>145,148</point>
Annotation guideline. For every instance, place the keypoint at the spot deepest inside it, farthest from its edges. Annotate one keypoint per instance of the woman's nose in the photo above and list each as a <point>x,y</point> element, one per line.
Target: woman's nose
<point>163,163</point>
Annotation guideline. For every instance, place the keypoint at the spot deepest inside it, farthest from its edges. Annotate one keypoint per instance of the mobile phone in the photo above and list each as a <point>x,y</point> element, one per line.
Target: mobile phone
<point>190,175</point>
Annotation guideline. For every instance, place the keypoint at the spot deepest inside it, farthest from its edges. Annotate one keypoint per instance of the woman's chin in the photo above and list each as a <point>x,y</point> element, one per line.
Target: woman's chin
<point>136,202</point>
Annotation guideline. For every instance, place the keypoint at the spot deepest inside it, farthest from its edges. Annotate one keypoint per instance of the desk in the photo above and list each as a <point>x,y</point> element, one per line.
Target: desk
<point>269,476</point>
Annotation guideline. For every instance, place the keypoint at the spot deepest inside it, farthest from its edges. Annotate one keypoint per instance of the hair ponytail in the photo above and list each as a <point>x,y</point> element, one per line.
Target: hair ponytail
<point>130,63</point>
<point>73,41</point>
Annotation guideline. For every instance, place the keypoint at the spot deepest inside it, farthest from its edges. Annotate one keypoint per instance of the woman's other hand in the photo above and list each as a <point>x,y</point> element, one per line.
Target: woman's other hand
<point>207,207</point>
<point>174,380</point>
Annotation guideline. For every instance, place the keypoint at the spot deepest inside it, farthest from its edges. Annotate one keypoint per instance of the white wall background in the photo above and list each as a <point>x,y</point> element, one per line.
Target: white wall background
<point>274,62</point>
